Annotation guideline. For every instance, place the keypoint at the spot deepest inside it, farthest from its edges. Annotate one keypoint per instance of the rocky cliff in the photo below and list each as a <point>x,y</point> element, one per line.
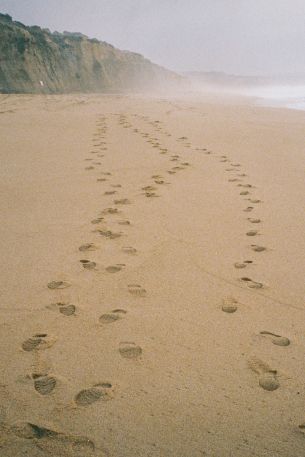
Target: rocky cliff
<point>34,60</point>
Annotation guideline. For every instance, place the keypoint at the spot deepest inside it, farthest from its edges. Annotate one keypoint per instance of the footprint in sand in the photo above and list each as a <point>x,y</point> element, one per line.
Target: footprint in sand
<point>150,194</point>
<point>252,284</point>
<point>136,290</point>
<point>254,221</point>
<point>110,192</point>
<point>267,376</point>
<point>38,342</point>
<point>110,211</point>
<point>58,285</point>
<point>257,248</point>
<point>129,250</point>
<point>130,350</point>
<point>89,168</point>
<point>64,308</point>
<point>240,265</point>
<point>109,234</point>
<point>247,186</point>
<point>101,179</point>
<point>113,316</point>
<point>100,391</point>
<point>44,385</point>
<point>249,209</point>
<point>53,442</point>
<point>115,268</point>
<point>229,305</point>
<point>252,233</point>
<point>244,192</point>
<point>122,201</point>
<point>278,340</point>
<point>87,247</point>
<point>97,220</point>
<point>254,200</point>
<point>149,188</point>
<point>88,265</point>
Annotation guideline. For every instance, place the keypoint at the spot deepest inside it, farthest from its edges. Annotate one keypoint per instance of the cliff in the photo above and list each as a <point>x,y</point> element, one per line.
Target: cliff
<point>34,60</point>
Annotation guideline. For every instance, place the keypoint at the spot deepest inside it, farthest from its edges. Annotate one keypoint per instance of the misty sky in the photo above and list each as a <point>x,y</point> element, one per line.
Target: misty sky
<point>235,36</point>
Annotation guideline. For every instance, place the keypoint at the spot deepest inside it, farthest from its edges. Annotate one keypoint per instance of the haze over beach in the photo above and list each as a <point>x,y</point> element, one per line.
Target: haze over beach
<point>152,237</point>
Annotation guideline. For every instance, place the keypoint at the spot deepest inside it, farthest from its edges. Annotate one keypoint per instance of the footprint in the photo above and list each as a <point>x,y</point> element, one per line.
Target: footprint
<point>267,376</point>
<point>89,168</point>
<point>110,211</point>
<point>137,290</point>
<point>124,222</point>
<point>58,285</point>
<point>229,305</point>
<point>113,316</point>
<point>110,192</point>
<point>109,234</point>
<point>88,265</point>
<point>44,385</point>
<point>130,350</point>
<point>97,221</point>
<point>257,248</point>
<point>249,209</point>
<point>240,265</point>
<point>151,194</point>
<point>254,200</point>
<point>67,310</point>
<point>149,188</point>
<point>101,179</point>
<point>63,308</point>
<point>278,340</point>
<point>122,201</point>
<point>88,396</point>
<point>38,342</point>
<point>129,250</point>
<point>244,192</point>
<point>252,233</point>
<point>54,443</point>
<point>114,268</point>
<point>254,221</point>
<point>252,284</point>
<point>87,247</point>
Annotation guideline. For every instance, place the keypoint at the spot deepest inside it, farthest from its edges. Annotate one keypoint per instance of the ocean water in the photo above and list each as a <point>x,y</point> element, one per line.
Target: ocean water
<point>292,97</point>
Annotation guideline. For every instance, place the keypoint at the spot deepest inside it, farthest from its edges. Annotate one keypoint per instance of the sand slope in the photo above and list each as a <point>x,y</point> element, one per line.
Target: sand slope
<point>152,278</point>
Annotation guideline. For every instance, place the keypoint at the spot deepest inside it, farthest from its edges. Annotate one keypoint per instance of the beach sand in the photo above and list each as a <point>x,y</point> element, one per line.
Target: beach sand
<point>152,277</point>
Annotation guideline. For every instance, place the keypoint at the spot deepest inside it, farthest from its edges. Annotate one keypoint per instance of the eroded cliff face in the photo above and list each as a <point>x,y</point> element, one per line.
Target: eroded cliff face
<point>34,60</point>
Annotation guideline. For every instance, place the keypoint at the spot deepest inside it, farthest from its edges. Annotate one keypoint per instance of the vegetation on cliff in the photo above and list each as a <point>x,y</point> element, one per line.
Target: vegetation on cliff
<point>34,60</point>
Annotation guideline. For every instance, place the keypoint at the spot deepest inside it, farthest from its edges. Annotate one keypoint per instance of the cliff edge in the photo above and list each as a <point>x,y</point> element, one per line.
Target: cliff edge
<point>34,60</point>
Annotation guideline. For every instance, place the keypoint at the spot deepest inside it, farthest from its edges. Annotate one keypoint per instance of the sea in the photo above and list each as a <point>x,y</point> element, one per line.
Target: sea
<point>292,97</point>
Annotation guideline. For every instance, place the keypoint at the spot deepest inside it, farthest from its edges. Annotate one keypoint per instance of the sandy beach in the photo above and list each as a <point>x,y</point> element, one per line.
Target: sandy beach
<point>152,277</point>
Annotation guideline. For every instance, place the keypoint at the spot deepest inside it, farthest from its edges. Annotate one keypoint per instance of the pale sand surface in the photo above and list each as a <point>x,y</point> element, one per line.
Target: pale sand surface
<point>192,379</point>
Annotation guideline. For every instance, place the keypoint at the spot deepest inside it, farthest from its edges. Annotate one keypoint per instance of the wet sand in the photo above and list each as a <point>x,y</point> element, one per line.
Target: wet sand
<point>152,278</point>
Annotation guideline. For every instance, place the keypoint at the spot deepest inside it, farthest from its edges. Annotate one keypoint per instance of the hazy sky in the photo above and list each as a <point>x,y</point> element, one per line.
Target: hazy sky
<point>235,36</point>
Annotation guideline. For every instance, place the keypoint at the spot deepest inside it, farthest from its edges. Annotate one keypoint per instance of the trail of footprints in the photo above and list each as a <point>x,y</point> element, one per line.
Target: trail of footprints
<point>267,376</point>
<point>44,382</point>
